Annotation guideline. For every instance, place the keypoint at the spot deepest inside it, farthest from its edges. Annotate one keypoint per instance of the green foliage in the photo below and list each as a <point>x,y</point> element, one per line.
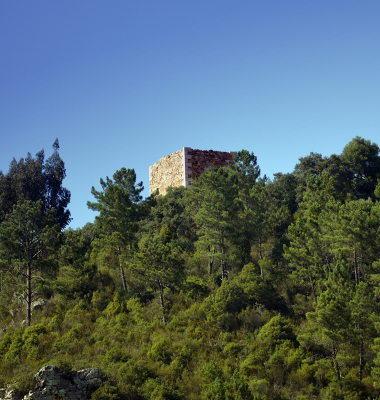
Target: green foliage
<point>259,291</point>
<point>276,331</point>
<point>169,211</point>
<point>116,224</point>
<point>161,266</point>
<point>153,389</point>
<point>116,306</point>
<point>15,347</point>
<point>36,179</point>
<point>131,376</point>
<point>166,234</point>
<point>195,287</point>
<point>299,321</point>
<point>29,239</point>
<point>106,391</point>
<point>237,388</point>
<point>364,160</point>
<point>214,201</point>
<point>159,351</point>
<point>213,382</point>
<point>216,387</point>
<point>230,297</point>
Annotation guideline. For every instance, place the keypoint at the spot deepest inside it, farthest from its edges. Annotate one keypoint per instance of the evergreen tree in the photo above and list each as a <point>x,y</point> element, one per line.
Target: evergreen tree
<point>328,326</point>
<point>117,222</point>
<point>362,332</point>
<point>161,266</point>
<point>363,158</point>
<point>29,239</point>
<point>351,232</point>
<point>169,211</point>
<point>307,253</point>
<point>36,179</point>
<point>213,200</point>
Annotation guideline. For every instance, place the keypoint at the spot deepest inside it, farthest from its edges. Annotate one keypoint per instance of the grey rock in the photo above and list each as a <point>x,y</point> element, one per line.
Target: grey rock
<point>89,374</point>
<point>94,382</point>
<point>76,379</point>
<point>81,385</point>
<point>38,304</point>
<point>12,394</point>
<point>50,385</point>
<point>14,312</point>
<point>64,383</point>
<point>47,376</point>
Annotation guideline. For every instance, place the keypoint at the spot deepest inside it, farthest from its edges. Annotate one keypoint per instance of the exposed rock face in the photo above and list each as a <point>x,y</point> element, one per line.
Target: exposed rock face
<point>38,304</point>
<point>50,385</point>
<point>179,168</point>
<point>10,394</point>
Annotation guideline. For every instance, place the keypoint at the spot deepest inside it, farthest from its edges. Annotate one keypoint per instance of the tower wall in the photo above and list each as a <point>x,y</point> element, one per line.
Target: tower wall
<point>168,171</point>
<point>179,168</point>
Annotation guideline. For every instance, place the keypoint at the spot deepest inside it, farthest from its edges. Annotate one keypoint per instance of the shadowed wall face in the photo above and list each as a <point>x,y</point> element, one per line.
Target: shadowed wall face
<point>179,168</point>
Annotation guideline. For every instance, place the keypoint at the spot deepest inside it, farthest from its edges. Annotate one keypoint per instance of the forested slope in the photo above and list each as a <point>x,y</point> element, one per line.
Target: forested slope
<point>238,288</point>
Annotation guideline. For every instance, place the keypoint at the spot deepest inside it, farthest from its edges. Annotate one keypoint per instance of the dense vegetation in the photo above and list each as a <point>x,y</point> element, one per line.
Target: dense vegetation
<point>239,288</point>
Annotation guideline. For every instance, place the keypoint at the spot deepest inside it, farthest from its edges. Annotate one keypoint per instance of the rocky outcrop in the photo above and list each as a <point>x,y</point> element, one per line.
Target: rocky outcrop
<point>38,304</point>
<point>51,385</point>
<point>10,394</point>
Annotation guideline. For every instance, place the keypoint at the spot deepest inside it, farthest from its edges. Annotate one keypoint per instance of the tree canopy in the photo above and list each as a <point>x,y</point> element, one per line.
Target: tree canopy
<point>36,179</point>
<point>239,287</point>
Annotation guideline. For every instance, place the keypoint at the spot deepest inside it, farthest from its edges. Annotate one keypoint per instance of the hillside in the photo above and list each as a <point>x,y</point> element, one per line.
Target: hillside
<point>238,288</point>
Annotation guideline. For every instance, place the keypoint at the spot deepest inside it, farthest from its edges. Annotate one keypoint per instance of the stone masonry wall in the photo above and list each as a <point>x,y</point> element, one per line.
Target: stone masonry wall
<point>168,171</point>
<point>203,159</point>
<point>179,168</point>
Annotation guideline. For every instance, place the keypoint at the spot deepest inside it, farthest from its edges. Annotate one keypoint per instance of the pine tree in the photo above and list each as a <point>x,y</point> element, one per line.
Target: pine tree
<point>29,239</point>
<point>161,266</point>
<point>36,179</point>
<point>117,222</point>
<point>213,199</point>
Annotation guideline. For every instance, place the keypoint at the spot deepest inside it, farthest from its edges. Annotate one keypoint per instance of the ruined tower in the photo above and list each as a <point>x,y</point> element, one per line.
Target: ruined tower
<point>179,168</point>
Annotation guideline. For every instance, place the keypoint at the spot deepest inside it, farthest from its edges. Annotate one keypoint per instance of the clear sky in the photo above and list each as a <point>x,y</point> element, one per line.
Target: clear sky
<point>123,83</point>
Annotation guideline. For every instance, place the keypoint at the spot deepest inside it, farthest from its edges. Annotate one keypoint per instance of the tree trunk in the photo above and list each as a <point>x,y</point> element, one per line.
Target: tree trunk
<point>224,270</point>
<point>210,261</point>
<point>224,266</point>
<point>123,278</point>
<point>328,264</point>
<point>260,252</point>
<point>356,267</point>
<point>122,273</point>
<point>29,294</point>
<point>338,373</point>
<point>336,366</point>
<point>261,257</point>
<point>312,285</point>
<point>361,363</point>
<point>161,289</point>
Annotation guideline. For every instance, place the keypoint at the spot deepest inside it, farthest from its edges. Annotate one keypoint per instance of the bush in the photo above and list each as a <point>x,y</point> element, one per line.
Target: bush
<point>159,351</point>
<point>107,391</point>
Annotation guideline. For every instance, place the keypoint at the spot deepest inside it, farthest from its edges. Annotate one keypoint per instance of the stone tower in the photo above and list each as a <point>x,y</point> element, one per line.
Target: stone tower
<point>179,168</point>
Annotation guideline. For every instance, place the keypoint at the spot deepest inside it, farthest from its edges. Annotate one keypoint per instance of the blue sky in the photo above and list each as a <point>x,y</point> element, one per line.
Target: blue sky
<point>123,83</point>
